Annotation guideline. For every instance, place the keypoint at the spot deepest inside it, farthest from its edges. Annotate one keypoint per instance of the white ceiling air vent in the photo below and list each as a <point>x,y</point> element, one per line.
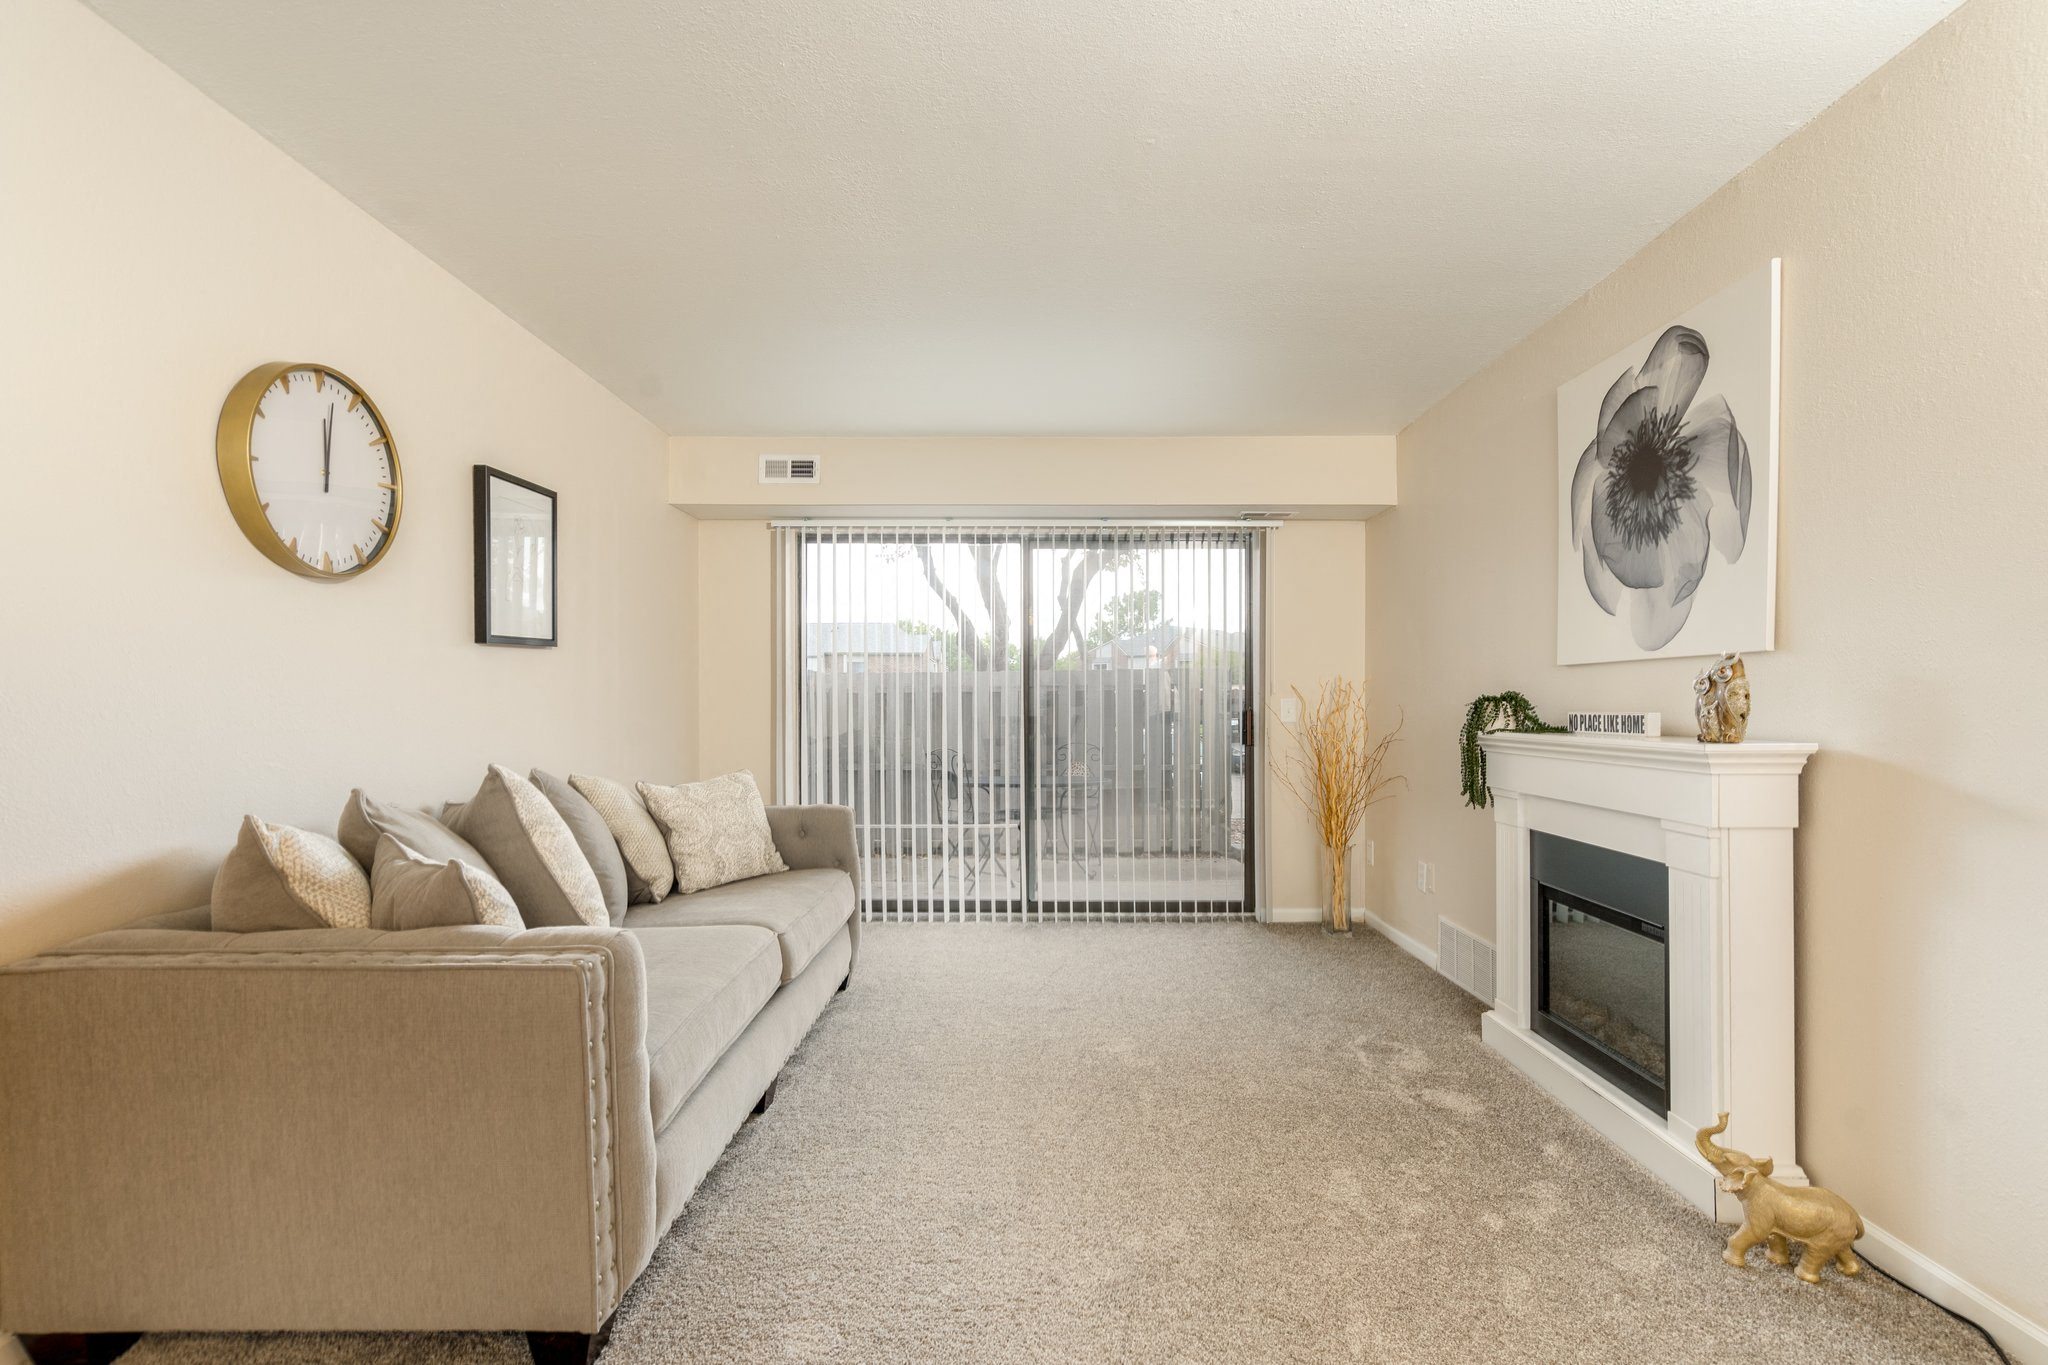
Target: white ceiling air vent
<point>789,469</point>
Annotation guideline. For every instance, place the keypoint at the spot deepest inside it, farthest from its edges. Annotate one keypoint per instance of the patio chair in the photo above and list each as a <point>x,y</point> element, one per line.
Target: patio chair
<point>1075,787</point>
<point>987,806</point>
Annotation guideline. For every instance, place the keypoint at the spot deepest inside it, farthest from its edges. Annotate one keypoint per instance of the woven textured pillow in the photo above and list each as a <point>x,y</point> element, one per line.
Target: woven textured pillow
<point>649,873</point>
<point>410,891</point>
<point>530,850</point>
<point>717,831</point>
<point>278,877</point>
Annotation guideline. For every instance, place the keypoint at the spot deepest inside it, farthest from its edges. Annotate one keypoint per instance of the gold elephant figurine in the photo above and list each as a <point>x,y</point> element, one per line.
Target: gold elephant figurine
<point>1778,1214</point>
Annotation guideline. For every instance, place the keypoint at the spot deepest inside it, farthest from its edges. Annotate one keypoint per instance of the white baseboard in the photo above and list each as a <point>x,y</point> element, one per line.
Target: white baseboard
<point>1412,946</point>
<point>2025,1340</point>
<point>1293,914</point>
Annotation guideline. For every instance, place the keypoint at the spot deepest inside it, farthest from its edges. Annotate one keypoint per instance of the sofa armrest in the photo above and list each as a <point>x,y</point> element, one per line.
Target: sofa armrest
<point>332,1129</point>
<point>821,836</point>
<point>816,836</point>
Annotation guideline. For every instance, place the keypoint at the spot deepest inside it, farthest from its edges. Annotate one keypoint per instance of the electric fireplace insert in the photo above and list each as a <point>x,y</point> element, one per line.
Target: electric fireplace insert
<point>1599,968</point>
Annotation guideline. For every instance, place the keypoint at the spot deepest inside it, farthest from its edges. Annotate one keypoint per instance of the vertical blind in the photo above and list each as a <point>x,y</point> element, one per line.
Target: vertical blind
<point>1042,722</point>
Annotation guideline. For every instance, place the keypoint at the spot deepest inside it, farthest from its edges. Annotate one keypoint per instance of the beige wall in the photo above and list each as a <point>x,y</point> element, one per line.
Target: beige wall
<point>1912,601</point>
<point>158,678</point>
<point>735,688</point>
<point>1315,589</point>
<point>1316,581</point>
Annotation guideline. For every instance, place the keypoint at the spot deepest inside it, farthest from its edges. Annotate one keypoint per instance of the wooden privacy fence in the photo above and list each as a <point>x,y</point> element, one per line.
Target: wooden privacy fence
<point>1133,761</point>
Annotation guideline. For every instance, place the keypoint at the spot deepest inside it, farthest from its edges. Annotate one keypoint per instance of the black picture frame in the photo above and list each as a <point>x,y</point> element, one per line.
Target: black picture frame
<point>491,568</point>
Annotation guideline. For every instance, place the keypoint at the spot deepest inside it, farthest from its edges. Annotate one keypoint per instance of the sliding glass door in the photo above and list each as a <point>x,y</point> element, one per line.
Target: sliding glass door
<point>1030,723</point>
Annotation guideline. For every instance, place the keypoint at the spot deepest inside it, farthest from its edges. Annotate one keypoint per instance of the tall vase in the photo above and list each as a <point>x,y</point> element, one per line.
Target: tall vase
<point>1336,889</point>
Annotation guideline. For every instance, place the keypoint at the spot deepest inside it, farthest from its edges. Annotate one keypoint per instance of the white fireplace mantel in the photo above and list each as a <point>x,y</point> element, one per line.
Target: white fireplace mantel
<point>1720,818</point>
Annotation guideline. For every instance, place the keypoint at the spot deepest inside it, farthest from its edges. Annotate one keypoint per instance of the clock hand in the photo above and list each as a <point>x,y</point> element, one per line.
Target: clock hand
<point>327,450</point>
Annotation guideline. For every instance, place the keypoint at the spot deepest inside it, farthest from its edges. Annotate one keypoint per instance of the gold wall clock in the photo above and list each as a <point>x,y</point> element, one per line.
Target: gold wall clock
<point>309,469</point>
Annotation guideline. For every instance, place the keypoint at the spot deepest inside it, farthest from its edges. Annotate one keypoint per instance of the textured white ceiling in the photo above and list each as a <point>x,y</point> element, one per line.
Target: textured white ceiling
<point>1027,216</point>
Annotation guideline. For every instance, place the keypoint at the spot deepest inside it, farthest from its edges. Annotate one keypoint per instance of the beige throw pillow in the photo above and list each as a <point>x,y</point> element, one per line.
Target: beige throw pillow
<point>649,873</point>
<point>278,877</point>
<point>530,849</point>
<point>363,820</point>
<point>717,830</point>
<point>409,891</point>
<point>593,836</point>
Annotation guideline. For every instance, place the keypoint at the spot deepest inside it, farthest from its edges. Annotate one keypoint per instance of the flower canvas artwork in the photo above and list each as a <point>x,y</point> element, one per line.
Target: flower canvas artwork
<point>1668,487</point>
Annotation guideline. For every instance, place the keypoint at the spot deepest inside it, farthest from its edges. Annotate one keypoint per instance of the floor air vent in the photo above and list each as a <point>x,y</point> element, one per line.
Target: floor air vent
<point>789,469</point>
<point>1466,960</point>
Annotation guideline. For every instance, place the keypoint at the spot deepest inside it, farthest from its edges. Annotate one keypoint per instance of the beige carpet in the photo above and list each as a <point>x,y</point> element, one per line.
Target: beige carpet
<point>1200,1143</point>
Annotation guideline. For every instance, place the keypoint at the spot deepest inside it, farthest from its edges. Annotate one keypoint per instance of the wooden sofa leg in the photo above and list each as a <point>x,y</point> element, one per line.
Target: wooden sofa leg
<point>78,1348</point>
<point>569,1348</point>
<point>768,1095</point>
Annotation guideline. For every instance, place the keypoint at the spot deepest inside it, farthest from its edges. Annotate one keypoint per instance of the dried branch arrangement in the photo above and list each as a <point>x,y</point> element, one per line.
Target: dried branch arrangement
<point>1338,766</point>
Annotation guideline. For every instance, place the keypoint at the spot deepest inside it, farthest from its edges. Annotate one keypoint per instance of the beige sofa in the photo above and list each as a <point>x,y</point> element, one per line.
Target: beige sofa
<point>442,1129</point>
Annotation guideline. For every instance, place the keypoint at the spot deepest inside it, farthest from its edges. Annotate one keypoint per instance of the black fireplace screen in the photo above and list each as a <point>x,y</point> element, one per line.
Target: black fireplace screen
<point>1599,965</point>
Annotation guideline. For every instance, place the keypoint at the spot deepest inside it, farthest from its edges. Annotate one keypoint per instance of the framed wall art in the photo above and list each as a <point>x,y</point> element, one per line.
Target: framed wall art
<point>1667,482</point>
<point>516,561</point>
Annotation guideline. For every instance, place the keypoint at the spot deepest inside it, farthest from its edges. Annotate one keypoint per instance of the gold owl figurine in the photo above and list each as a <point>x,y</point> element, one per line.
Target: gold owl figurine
<point>1819,1219</point>
<point>1721,700</point>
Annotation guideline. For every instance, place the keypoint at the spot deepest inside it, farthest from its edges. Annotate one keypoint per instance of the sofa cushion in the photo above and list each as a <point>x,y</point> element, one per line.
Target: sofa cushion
<point>717,831</point>
<point>803,909</point>
<point>410,891</point>
<point>194,917</point>
<point>529,847</point>
<point>363,820</point>
<point>704,986</point>
<point>277,877</point>
<point>649,873</point>
<point>593,836</point>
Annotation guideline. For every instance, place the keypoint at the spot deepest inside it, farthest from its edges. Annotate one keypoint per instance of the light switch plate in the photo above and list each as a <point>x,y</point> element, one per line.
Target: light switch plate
<point>1290,710</point>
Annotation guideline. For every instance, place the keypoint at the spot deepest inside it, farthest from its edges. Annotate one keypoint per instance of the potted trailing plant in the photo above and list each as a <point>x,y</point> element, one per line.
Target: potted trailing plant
<point>1336,769</point>
<point>1494,711</point>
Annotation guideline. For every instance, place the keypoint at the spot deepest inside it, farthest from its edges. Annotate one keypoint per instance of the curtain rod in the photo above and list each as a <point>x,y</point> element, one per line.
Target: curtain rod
<point>1061,523</point>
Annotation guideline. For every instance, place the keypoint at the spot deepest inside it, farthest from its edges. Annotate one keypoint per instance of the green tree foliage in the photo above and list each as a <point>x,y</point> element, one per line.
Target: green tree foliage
<point>952,653</point>
<point>1127,614</point>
